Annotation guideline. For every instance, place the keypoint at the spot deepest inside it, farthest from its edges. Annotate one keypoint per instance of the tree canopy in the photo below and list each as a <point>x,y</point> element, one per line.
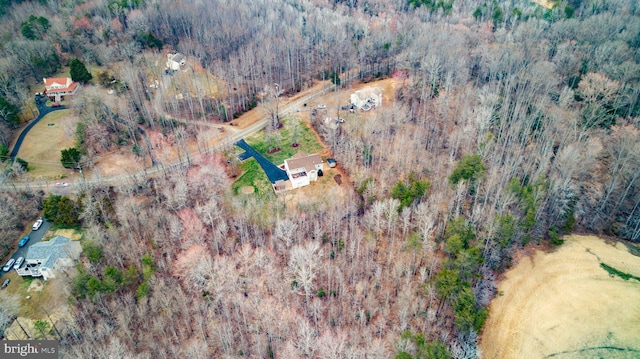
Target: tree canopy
<point>79,72</point>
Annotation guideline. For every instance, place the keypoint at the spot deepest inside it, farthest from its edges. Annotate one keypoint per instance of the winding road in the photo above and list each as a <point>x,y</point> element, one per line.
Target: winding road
<point>43,109</point>
<point>119,179</point>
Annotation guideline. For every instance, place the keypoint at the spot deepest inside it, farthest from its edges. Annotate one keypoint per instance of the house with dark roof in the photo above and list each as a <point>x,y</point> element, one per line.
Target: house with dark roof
<point>303,168</point>
<point>57,88</point>
<point>44,259</point>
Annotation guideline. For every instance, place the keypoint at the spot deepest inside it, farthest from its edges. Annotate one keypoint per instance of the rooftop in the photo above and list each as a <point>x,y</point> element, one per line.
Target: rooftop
<point>303,160</point>
<point>59,81</point>
<point>49,252</point>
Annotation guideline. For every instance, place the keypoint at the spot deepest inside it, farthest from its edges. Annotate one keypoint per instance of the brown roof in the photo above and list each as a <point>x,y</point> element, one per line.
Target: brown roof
<point>55,81</point>
<point>66,89</point>
<point>304,160</point>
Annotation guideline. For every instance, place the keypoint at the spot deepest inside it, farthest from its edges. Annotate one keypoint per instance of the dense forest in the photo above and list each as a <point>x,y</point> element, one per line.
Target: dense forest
<point>515,124</point>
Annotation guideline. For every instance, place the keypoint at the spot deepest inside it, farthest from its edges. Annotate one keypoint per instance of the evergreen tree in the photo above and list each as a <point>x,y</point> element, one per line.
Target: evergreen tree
<point>70,158</point>
<point>79,72</point>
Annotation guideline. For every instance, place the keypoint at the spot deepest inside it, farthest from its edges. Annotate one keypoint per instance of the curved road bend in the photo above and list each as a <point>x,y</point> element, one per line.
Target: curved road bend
<point>44,110</point>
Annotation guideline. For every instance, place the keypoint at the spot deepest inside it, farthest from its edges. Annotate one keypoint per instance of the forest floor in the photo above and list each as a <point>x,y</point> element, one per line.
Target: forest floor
<point>563,304</point>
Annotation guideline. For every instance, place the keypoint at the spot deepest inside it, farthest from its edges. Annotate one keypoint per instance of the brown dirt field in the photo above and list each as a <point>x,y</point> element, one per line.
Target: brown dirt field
<point>42,145</point>
<point>562,304</point>
<point>324,191</point>
<point>69,233</point>
<point>119,162</point>
<point>51,299</point>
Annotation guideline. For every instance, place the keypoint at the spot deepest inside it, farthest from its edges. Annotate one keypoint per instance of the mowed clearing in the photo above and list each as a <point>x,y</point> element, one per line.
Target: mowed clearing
<point>563,304</point>
<point>42,145</point>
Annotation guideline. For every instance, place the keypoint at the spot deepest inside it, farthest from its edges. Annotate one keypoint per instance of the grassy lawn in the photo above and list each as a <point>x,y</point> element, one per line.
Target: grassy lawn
<point>70,232</point>
<point>306,139</point>
<point>252,173</point>
<point>42,146</point>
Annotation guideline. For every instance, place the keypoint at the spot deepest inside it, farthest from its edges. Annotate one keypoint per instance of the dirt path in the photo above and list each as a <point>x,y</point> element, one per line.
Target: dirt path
<point>564,305</point>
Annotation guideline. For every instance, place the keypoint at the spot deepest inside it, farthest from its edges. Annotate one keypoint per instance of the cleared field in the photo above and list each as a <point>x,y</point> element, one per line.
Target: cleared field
<point>42,145</point>
<point>563,304</point>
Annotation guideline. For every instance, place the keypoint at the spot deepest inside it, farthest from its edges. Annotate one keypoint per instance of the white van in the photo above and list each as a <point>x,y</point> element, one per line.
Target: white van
<point>37,225</point>
<point>19,262</point>
<point>9,264</point>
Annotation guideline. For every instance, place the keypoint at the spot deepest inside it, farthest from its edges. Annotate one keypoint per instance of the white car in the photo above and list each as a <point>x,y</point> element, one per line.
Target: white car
<point>321,106</point>
<point>9,264</point>
<point>37,225</point>
<point>18,263</point>
<point>62,184</point>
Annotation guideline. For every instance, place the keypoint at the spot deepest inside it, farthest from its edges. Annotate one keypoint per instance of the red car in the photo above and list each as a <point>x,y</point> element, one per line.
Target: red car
<point>56,104</point>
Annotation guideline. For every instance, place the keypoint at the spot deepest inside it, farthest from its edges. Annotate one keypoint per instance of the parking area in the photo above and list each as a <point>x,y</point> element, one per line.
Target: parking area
<point>34,237</point>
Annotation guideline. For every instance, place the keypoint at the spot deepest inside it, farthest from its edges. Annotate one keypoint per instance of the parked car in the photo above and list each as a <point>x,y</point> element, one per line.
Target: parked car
<point>56,104</point>
<point>321,106</point>
<point>8,265</point>
<point>18,263</point>
<point>37,225</point>
<point>6,283</point>
<point>331,162</point>
<point>23,241</point>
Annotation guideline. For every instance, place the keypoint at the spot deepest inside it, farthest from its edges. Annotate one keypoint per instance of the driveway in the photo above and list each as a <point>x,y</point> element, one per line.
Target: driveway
<point>43,110</point>
<point>274,173</point>
<point>34,237</point>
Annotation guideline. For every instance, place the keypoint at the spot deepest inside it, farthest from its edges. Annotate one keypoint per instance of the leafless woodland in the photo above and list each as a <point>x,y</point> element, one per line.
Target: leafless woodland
<point>548,100</point>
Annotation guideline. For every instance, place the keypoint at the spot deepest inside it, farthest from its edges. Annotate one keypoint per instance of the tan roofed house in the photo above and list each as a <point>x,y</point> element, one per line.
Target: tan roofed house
<point>303,168</point>
<point>58,87</point>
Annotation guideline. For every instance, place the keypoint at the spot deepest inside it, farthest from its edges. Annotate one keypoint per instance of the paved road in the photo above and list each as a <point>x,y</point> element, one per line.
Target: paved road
<point>162,168</point>
<point>274,173</point>
<point>43,109</point>
<point>34,237</point>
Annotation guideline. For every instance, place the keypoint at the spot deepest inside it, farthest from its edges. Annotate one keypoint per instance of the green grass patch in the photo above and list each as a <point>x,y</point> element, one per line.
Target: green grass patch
<point>26,282</point>
<point>306,140</point>
<point>253,175</point>
<point>614,272</point>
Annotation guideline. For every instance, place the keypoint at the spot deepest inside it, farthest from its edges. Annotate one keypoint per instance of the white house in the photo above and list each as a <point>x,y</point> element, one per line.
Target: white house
<point>367,98</point>
<point>175,61</point>
<point>303,168</point>
<point>45,258</point>
<point>57,88</point>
